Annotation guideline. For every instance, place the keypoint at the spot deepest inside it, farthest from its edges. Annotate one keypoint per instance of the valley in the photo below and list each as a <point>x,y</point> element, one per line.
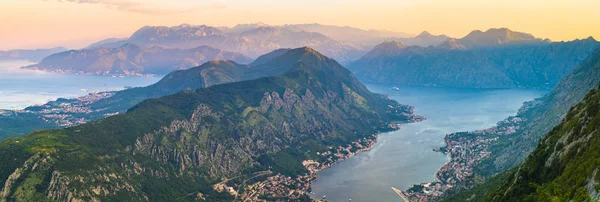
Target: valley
<point>299,101</point>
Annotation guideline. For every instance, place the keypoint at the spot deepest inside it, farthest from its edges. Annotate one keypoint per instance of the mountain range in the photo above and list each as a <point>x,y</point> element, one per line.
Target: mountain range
<point>345,44</point>
<point>190,145</point>
<point>340,42</point>
<point>249,40</point>
<point>130,59</point>
<point>498,36</point>
<point>524,63</point>
<point>30,55</point>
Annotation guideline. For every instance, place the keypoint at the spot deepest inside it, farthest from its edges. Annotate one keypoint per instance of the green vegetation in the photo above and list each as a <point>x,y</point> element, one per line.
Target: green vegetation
<point>16,124</point>
<point>174,148</point>
<point>564,166</point>
<point>539,116</point>
<point>208,74</point>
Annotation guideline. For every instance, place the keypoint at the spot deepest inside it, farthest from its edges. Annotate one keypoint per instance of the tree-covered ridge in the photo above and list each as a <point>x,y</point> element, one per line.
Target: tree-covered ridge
<point>564,166</point>
<point>70,112</point>
<point>175,148</point>
<point>544,114</point>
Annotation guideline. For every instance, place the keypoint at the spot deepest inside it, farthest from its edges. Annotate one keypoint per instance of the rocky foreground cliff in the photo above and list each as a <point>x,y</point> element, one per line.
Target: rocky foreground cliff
<point>564,166</point>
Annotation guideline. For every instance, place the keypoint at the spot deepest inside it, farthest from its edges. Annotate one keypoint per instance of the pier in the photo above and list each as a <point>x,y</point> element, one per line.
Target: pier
<point>401,194</point>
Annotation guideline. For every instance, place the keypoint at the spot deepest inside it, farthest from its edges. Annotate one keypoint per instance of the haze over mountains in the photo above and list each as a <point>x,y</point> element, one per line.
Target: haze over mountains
<point>345,44</point>
<point>253,41</point>
<point>30,55</point>
<point>181,147</point>
<point>497,58</point>
<point>130,59</point>
<point>342,43</point>
<point>105,58</point>
<point>499,36</point>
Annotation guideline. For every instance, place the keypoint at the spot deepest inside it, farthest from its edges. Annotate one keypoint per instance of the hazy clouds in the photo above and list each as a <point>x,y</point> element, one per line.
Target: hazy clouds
<point>152,7</point>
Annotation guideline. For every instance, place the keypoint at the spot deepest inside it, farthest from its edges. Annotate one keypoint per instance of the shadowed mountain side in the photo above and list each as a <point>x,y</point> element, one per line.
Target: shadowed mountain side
<point>451,65</point>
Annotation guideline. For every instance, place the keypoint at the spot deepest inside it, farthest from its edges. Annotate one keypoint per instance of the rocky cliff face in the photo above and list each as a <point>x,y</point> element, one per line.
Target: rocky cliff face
<point>176,147</point>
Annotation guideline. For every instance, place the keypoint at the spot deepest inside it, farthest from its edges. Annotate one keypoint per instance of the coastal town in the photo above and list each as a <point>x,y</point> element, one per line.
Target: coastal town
<point>279,187</point>
<point>124,73</point>
<point>66,112</point>
<point>466,150</point>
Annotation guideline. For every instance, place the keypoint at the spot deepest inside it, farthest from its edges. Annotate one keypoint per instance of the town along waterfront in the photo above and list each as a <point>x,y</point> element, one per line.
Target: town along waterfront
<point>406,157</point>
<point>22,88</point>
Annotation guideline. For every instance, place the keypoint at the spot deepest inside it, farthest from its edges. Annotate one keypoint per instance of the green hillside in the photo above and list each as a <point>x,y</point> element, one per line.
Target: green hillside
<point>564,166</point>
<point>175,148</point>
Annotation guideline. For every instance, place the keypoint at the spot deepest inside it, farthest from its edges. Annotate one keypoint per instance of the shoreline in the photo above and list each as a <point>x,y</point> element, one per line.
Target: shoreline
<point>81,73</point>
<point>373,140</point>
<point>280,183</point>
<point>466,150</point>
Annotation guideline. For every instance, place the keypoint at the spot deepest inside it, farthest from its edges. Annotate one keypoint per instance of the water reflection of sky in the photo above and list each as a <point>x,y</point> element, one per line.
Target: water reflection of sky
<point>405,157</point>
<point>22,88</point>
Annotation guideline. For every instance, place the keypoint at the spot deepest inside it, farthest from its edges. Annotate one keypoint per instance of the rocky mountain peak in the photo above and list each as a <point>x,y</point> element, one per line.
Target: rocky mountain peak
<point>452,44</point>
<point>496,36</point>
<point>424,34</point>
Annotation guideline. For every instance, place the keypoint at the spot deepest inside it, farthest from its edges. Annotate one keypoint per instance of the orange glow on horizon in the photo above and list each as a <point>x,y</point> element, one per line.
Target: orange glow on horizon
<point>49,23</point>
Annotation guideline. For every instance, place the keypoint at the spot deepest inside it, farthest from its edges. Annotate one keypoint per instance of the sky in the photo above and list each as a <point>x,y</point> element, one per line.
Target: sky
<point>76,23</point>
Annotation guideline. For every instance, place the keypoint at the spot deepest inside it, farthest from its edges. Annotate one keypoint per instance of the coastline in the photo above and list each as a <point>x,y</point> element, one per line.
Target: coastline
<point>280,183</point>
<point>60,71</point>
<point>466,150</point>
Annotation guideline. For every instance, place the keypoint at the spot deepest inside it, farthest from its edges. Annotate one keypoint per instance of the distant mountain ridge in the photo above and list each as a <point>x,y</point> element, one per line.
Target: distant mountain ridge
<point>252,40</point>
<point>520,65</point>
<point>30,55</point>
<point>497,36</point>
<point>424,39</point>
<point>130,59</point>
<point>209,144</point>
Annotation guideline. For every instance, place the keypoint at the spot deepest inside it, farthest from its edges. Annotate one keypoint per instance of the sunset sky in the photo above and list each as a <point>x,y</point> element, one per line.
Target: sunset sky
<point>76,23</point>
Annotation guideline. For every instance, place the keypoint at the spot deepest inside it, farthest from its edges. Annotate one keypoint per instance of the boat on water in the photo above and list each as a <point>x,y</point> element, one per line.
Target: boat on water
<point>395,88</point>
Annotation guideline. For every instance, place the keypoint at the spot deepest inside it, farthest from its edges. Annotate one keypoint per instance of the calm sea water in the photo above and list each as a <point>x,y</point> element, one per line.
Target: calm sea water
<point>22,88</point>
<point>405,157</point>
